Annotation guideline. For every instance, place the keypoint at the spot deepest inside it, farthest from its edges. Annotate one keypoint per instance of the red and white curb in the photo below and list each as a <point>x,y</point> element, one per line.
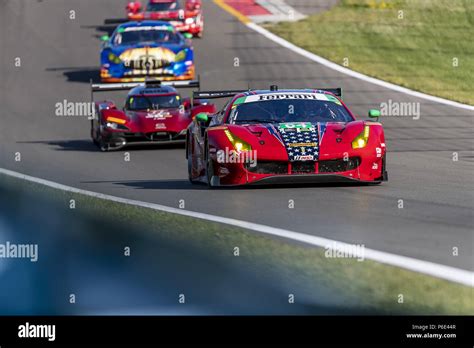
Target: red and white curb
<point>279,11</point>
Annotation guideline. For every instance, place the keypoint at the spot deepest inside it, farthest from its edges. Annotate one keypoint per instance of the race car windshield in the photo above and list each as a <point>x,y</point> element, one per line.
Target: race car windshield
<point>153,102</point>
<point>163,6</point>
<point>290,110</point>
<point>135,36</point>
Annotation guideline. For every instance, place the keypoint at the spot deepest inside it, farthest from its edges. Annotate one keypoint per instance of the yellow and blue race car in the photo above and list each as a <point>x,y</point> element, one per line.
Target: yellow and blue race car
<point>137,50</point>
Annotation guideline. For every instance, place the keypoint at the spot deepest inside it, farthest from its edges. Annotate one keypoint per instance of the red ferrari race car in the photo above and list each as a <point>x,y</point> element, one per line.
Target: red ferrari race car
<point>187,19</point>
<point>284,136</point>
<point>154,113</point>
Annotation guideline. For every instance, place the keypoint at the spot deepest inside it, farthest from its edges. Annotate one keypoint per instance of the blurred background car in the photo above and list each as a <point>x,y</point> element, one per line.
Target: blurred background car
<point>137,50</point>
<point>188,18</point>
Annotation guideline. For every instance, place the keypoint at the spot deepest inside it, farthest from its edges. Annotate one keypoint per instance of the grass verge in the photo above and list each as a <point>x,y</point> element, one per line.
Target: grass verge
<point>424,45</point>
<point>350,286</point>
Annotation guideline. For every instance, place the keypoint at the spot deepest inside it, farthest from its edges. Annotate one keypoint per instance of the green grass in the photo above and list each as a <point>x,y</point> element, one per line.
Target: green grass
<point>358,287</point>
<point>416,52</point>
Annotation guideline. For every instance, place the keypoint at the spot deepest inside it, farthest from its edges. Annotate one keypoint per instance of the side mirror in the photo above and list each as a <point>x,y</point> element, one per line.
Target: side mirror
<point>192,5</point>
<point>187,103</point>
<point>134,7</point>
<point>105,38</point>
<point>188,35</point>
<point>202,118</point>
<point>373,113</point>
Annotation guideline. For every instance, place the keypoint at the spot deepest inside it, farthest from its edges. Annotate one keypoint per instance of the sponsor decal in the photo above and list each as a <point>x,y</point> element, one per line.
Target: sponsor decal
<point>158,115</point>
<point>291,96</point>
<point>303,144</point>
<point>239,101</point>
<point>378,151</point>
<point>301,140</point>
<point>333,99</point>
<point>304,158</point>
<point>301,126</point>
<point>142,58</point>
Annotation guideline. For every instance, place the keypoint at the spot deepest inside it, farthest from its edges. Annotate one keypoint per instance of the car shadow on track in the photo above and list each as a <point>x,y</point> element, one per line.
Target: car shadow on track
<point>66,145</point>
<point>79,74</point>
<point>104,29</point>
<point>88,146</point>
<point>183,184</point>
<point>171,184</point>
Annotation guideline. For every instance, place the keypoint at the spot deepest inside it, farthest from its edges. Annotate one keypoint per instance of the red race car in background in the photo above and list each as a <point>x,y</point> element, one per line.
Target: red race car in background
<point>187,19</point>
<point>154,113</point>
<point>284,136</point>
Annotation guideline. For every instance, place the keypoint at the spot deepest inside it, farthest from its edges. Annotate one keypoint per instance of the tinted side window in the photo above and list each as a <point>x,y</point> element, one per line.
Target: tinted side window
<point>219,117</point>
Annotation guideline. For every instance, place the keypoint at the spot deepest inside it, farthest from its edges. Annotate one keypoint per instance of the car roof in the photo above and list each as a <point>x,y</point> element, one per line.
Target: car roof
<point>280,91</point>
<point>148,90</point>
<point>145,23</point>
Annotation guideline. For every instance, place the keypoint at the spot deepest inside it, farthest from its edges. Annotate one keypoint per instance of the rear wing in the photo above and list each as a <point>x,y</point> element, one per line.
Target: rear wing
<point>109,87</point>
<point>230,93</point>
<point>216,94</point>
<point>336,91</point>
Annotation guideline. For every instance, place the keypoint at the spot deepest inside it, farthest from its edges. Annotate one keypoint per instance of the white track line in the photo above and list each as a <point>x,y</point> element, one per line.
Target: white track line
<point>440,271</point>
<point>341,69</point>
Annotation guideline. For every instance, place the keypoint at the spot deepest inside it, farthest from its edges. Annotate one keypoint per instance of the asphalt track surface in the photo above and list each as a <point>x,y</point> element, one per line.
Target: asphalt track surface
<point>59,56</point>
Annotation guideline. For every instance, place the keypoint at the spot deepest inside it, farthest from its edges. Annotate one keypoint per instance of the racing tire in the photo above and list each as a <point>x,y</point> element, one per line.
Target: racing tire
<point>103,146</point>
<point>190,163</point>
<point>94,139</point>
<point>210,169</point>
<point>384,176</point>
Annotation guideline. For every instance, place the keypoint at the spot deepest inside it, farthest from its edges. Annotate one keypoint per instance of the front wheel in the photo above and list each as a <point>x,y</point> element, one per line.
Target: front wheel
<point>383,172</point>
<point>212,180</point>
<point>190,162</point>
<point>93,135</point>
<point>103,146</point>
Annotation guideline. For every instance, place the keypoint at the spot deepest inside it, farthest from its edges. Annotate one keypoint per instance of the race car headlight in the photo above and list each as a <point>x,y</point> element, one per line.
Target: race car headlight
<point>112,125</point>
<point>180,56</point>
<point>116,126</point>
<point>114,59</point>
<point>239,145</point>
<point>362,139</point>
<point>116,123</point>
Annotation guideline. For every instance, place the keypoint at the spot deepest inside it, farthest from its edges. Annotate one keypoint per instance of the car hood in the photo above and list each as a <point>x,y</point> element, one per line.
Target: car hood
<point>172,47</point>
<point>169,120</point>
